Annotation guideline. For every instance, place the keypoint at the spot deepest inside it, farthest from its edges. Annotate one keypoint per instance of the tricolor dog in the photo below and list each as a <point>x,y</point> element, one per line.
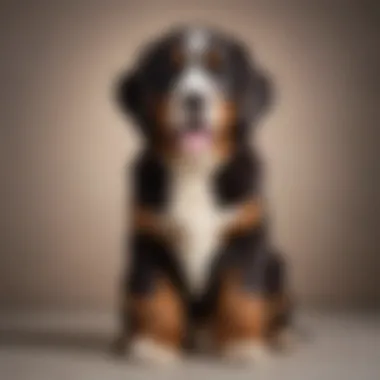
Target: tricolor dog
<point>200,262</point>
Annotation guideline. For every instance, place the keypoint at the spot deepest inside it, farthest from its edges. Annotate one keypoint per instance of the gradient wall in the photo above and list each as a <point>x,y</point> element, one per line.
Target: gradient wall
<point>64,145</point>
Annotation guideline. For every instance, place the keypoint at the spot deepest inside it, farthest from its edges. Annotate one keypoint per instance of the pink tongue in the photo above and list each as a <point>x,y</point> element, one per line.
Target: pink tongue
<point>195,142</point>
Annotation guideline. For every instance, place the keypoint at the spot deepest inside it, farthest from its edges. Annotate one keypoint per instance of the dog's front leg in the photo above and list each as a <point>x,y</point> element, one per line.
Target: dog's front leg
<point>241,315</point>
<point>238,219</point>
<point>155,305</point>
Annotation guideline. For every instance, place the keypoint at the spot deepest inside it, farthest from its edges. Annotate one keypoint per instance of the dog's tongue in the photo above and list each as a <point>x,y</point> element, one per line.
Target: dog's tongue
<point>195,142</point>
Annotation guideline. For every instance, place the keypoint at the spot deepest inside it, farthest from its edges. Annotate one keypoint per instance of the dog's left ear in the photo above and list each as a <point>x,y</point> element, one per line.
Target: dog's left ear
<point>255,101</point>
<point>257,98</point>
<point>260,96</point>
<point>256,89</point>
<point>129,95</point>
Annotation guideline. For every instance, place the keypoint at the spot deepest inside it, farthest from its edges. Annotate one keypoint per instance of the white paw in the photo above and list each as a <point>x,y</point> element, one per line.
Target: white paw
<point>147,351</point>
<point>246,352</point>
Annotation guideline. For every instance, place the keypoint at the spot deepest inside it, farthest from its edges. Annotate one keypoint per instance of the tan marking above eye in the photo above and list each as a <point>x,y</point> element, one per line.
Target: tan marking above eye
<point>213,59</point>
<point>177,57</point>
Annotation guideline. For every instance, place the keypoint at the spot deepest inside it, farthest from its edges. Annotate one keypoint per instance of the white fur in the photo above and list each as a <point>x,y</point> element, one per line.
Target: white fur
<point>247,352</point>
<point>195,79</point>
<point>198,217</point>
<point>194,209</point>
<point>147,351</point>
<point>196,41</point>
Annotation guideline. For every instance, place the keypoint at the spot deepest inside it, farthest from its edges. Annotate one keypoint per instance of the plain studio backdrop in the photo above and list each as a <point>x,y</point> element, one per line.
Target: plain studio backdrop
<point>65,146</point>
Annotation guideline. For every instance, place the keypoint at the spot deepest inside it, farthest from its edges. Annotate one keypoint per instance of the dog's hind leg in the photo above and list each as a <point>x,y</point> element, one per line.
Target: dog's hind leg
<point>280,305</point>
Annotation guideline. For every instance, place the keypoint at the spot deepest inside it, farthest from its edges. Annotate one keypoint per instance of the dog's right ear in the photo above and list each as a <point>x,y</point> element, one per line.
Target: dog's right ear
<point>129,95</point>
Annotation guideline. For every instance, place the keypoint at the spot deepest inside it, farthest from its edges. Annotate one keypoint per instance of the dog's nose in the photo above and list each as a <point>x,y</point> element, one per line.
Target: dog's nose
<point>193,103</point>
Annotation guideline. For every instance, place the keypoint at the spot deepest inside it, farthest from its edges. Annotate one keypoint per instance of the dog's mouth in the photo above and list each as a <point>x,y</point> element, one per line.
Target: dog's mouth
<point>195,140</point>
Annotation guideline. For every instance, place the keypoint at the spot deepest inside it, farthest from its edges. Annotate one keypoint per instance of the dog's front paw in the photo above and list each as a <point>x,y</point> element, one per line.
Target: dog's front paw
<point>148,352</point>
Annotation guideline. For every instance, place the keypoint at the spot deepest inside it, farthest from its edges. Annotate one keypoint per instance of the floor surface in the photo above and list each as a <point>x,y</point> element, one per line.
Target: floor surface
<point>48,347</point>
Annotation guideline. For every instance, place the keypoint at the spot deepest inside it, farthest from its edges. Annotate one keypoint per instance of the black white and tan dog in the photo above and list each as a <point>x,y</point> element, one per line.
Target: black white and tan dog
<point>201,264</point>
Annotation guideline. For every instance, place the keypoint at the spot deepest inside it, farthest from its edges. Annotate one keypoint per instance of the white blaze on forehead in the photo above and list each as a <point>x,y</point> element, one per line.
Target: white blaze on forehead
<point>194,78</point>
<point>196,41</point>
<point>194,210</point>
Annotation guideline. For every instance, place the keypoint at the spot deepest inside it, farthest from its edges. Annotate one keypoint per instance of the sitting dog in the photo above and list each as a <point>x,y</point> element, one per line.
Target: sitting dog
<point>200,259</point>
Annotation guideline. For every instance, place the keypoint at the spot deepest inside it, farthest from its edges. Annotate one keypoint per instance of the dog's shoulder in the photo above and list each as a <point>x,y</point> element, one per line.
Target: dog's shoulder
<point>237,180</point>
<point>240,178</point>
<point>150,180</point>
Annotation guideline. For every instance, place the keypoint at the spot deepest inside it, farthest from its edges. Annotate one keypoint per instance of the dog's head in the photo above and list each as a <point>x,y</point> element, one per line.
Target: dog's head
<point>193,90</point>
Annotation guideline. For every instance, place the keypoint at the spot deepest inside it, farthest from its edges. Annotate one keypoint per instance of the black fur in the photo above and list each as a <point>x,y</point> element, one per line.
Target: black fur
<point>151,182</point>
<point>261,268</point>
<point>246,84</point>
<point>239,179</point>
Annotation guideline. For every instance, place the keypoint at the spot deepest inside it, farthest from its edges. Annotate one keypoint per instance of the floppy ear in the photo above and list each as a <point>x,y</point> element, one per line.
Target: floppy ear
<point>255,90</point>
<point>129,95</point>
<point>256,100</point>
<point>261,95</point>
<point>258,97</point>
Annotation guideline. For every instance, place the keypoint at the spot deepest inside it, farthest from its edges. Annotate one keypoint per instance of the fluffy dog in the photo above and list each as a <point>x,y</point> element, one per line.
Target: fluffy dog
<point>200,259</point>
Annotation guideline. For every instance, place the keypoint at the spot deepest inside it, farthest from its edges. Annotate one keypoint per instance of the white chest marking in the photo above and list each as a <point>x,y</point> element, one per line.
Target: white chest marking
<point>195,212</point>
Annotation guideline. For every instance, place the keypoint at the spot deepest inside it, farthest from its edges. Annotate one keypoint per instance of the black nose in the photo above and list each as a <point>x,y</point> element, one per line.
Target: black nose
<point>193,103</point>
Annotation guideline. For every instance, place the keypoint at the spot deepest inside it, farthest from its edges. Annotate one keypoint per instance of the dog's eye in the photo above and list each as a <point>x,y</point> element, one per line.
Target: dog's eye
<point>213,60</point>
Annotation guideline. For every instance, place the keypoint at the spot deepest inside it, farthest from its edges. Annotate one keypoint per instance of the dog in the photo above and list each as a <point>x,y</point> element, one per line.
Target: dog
<point>201,269</point>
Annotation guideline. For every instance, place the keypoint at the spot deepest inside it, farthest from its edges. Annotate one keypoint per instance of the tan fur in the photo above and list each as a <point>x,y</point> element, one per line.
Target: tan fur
<point>223,143</point>
<point>161,113</point>
<point>159,316</point>
<point>177,57</point>
<point>155,224</point>
<point>249,215</point>
<point>146,221</point>
<point>239,315</point>
<point>213,59</point>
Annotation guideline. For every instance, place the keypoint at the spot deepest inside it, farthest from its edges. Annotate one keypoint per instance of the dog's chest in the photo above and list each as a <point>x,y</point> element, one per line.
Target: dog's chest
<point>195,212</point>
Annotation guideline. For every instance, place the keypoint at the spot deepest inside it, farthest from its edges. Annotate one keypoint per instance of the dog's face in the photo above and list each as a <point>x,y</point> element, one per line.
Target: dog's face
<point>195,90</point>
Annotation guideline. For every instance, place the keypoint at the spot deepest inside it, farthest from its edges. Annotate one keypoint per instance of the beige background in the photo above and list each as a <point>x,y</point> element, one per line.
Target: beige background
<point>64,145</point>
